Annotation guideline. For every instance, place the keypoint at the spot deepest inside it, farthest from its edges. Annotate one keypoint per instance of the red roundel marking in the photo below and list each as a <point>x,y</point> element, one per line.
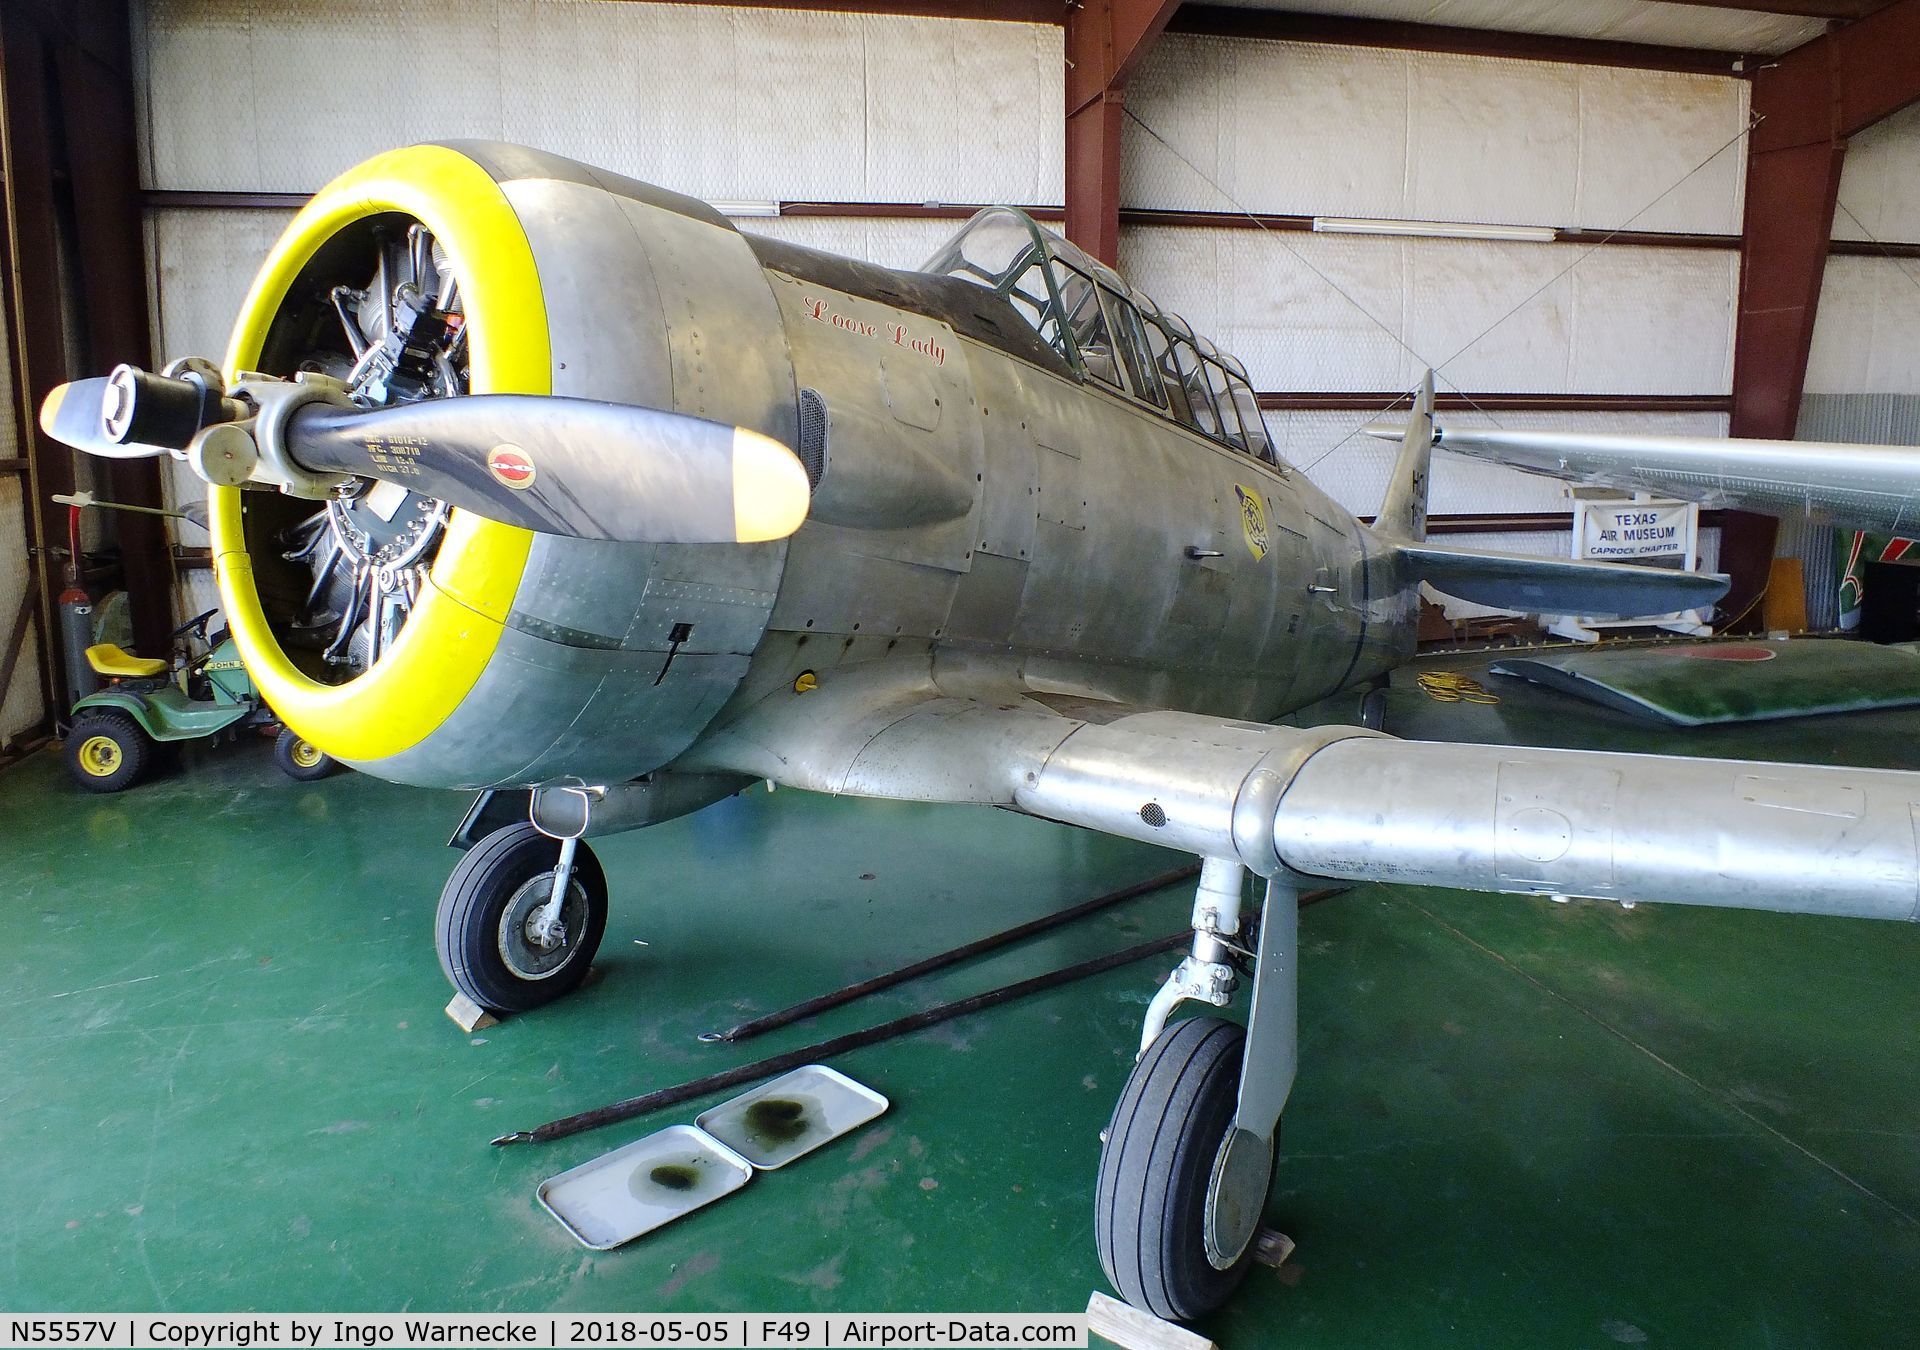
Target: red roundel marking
<point>1712,652</point>
<point>511,465</point>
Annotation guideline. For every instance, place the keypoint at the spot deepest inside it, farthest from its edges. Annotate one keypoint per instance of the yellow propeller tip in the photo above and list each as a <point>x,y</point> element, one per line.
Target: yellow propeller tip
<point>50,406</point>
<point>770,489</point>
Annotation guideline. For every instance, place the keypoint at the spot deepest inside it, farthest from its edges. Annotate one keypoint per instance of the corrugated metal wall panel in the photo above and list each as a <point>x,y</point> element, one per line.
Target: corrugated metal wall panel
<point>1873,419</point>
<point>253,95</point>
<point>1535,143</point>
<point>1637,321</point>
<point>1870,419</point>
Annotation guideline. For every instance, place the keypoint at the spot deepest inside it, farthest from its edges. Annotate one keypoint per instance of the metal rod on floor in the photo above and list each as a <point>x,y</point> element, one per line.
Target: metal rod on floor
<point>661,1098</point>
<point>813,1006</point>
<point>853,1040</point>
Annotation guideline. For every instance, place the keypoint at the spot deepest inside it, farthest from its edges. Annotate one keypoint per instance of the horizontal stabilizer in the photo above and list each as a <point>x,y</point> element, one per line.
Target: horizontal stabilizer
<point>1539,585</point>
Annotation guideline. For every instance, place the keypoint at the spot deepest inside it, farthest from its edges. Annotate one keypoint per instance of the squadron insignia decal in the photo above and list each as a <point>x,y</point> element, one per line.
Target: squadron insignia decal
<point>511,465</point>
<point>1253,520</point>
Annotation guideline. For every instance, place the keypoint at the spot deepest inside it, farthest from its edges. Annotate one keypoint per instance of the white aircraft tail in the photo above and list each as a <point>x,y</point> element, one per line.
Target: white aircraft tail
<point>1403,513</point>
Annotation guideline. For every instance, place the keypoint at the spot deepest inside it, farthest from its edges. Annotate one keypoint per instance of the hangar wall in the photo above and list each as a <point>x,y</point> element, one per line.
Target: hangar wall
<point>1247,125</point>
<point>22,701</point>
<point>911,110</point>
<point>252,96</point>
<point>1866,337</point>
<point>1863,371</point>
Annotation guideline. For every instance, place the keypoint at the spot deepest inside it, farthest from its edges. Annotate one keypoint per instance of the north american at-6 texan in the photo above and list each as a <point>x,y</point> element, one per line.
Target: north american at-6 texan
<point>527,475</point>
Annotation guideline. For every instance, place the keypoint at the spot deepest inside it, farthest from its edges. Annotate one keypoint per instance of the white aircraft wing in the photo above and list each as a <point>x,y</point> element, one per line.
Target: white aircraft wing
<point>1873,487</point>
<point>1348,804</point>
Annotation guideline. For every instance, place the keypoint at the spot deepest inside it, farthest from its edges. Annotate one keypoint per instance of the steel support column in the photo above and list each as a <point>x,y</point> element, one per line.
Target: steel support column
<point>1808,103</point>
<point>1106,40</point>
<point>74,220</point>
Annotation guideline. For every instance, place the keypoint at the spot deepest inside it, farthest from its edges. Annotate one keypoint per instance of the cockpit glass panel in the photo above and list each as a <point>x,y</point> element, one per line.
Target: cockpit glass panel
<point>1080,299</point>
<point>1252,425</point>
<point>1101,326</point>
<point>1160,344</point>
<point>1033,301</point>
<point>1223,400</point>
<point>1133,347</point>
<point>995,245</point>
<point>1193,380</point>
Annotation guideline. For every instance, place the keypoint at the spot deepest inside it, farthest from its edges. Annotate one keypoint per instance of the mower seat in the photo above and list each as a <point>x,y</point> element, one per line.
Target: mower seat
<point>108,659</point>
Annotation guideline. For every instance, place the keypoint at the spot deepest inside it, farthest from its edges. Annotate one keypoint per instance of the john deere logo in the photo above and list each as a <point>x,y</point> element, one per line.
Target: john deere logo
<point>511,465</point>
<point>1253,520</point>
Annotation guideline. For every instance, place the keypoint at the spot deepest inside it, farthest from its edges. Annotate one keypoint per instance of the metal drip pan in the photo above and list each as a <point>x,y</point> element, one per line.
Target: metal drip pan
<point>792,1116</point>
<point>651,1182</point>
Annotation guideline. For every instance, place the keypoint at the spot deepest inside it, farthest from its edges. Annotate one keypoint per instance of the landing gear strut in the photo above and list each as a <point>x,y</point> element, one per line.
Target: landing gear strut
<point>1188,1157</point>
<point>520,918</point>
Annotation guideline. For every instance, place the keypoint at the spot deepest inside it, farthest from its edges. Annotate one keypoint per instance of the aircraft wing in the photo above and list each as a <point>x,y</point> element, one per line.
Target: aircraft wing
<point>1349,804</point>
<point>1873,487</point>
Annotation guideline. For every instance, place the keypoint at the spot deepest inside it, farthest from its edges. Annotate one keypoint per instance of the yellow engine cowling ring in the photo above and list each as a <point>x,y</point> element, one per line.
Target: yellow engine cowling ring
<point>534,657</point>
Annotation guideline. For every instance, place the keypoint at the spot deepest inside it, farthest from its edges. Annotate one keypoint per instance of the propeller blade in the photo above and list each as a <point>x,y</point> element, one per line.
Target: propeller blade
<point>75,414</point>
<point>568,466</point>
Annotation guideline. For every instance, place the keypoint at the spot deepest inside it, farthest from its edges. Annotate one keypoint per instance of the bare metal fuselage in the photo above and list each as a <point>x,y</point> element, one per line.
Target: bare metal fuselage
<point>980,507</point>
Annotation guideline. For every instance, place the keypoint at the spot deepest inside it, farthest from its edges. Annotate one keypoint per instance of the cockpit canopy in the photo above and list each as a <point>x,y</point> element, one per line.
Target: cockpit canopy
<point>1105,329</point>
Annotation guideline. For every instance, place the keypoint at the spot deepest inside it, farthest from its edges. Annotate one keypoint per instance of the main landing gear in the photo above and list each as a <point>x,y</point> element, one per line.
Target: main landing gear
<point>1186,1162</point>
<point>520,918</point>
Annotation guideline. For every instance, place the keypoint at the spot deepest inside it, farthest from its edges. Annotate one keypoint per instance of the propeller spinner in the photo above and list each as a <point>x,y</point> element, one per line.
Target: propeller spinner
<point>553,465</point>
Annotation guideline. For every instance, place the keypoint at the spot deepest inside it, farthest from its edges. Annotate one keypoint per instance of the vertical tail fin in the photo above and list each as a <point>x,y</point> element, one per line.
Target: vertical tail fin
<point>1404,512</point>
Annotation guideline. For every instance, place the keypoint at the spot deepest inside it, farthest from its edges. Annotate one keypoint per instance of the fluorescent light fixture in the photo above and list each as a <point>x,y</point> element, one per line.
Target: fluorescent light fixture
<point>1434,229</point>
<point>746,208</point>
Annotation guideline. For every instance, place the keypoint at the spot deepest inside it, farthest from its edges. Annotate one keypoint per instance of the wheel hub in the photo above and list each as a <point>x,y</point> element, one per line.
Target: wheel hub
<point>524,950</point>
<point>100,756</point>
<point>1236,1195</point>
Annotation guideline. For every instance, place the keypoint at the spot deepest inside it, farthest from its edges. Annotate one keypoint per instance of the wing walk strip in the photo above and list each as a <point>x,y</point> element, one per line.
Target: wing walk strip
<point>1719,1097</point>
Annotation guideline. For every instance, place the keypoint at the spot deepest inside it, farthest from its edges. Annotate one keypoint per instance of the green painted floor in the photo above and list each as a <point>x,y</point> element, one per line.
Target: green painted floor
<point>225,1079</point>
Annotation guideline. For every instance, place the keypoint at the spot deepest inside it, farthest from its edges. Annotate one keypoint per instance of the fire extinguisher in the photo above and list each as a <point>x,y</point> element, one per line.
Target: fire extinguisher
<point>76,617</point>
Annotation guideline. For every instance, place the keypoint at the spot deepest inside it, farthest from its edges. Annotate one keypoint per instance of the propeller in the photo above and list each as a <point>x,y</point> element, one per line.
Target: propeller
<point>554,465</point>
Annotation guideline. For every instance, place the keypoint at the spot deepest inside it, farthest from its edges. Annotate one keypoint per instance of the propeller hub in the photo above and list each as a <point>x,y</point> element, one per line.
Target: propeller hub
<point>141,408</point>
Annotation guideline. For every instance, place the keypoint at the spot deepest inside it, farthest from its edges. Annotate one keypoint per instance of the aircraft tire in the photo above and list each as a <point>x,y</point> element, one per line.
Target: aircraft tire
<point>479,930</point>
<point>1373,709</point>
<point>1155,1168</point>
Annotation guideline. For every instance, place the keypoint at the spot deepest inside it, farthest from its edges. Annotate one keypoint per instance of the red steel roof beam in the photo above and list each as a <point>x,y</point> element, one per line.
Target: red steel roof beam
<point>1106,41</point>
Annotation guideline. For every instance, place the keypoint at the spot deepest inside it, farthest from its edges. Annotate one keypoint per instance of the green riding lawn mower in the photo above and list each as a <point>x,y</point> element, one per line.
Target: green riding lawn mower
<point>119,733</point>
<point>121,730</point>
